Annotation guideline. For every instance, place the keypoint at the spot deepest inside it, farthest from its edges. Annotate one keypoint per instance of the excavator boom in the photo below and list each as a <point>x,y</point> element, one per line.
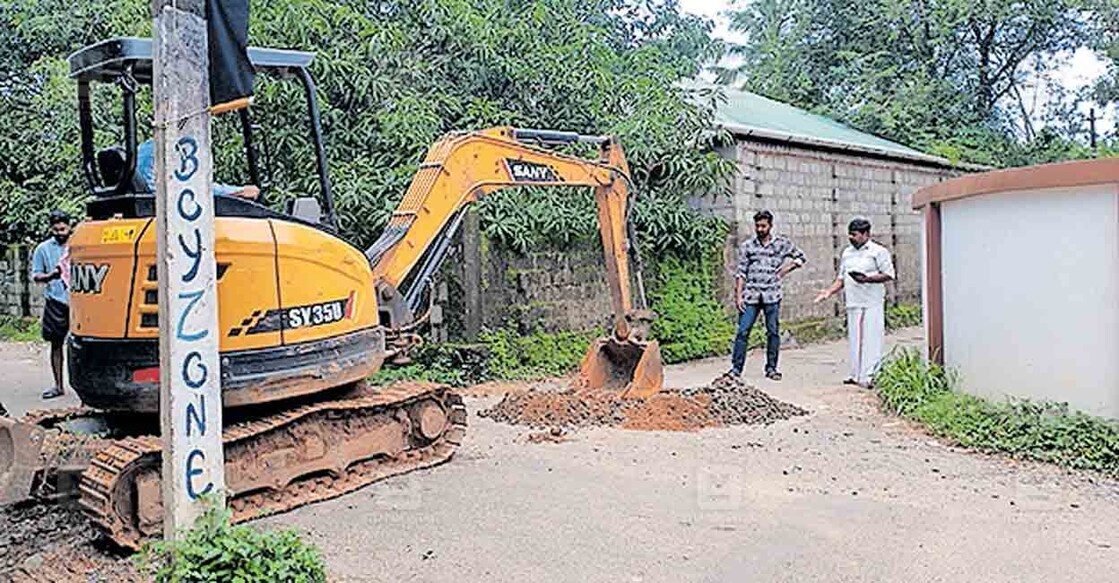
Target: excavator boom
<point>462,168</point>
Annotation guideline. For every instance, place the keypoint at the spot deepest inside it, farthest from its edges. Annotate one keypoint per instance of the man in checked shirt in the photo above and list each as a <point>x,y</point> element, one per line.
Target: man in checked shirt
<point>757,288</point>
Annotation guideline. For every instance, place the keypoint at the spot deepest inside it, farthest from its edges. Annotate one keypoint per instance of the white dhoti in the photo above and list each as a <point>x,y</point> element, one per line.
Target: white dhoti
<point>866,332</point>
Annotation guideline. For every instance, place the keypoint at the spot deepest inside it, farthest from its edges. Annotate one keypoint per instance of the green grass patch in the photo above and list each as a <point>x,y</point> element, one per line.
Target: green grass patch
<point>498,355</point>
<point>910,386</point>
<point>14,329</point>
<point>903,316</point>
<point>214,550</point>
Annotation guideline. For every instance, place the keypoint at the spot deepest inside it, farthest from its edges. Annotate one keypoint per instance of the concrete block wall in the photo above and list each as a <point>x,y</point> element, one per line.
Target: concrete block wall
<point>813,194</point>
<point>547,290</point>
<point>19,296</point>
<point>544,290</point>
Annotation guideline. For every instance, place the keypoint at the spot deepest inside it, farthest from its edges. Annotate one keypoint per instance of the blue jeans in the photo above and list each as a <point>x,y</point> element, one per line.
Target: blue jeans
<point>772,336</point>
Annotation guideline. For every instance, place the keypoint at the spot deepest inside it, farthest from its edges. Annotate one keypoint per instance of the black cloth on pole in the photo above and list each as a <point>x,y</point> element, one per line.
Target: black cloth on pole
<point>231,72</point>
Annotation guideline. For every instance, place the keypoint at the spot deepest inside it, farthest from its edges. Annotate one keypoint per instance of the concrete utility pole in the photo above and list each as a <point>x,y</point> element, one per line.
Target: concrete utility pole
<point>189,370</point>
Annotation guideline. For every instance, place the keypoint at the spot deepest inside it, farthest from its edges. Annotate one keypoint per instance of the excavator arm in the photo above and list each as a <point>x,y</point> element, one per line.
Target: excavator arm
<point>462,168</point>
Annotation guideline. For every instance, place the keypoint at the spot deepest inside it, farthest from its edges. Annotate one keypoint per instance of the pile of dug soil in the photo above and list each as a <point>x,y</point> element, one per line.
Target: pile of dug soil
<point>723,402</point>
<point>55,543</point>
<point>542,408</point>
<point>736,403</point>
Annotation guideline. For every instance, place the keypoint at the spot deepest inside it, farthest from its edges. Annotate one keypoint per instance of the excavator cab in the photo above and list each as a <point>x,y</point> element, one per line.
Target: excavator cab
<point>111,171</point>
<point>297,314</point>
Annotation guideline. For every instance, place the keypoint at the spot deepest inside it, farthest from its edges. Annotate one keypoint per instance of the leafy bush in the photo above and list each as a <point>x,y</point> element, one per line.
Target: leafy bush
<point>907,382</point>
<point>512,356</point>
<point>690,323</point>
<point>214,550</point>
<point>1042,431</point>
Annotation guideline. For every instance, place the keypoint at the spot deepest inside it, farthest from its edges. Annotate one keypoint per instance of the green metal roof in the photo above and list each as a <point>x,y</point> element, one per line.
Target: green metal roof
<point>745,113</point>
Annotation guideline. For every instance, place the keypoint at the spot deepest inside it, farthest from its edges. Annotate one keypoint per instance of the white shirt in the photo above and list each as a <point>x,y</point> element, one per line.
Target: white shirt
<point>870,259</point>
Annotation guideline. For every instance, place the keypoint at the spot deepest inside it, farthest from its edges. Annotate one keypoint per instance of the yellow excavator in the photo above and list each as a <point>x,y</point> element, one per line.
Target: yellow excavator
<point>305,317</point>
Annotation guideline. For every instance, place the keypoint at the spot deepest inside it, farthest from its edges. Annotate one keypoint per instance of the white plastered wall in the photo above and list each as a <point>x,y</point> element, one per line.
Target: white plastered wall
<point>1031,295</point>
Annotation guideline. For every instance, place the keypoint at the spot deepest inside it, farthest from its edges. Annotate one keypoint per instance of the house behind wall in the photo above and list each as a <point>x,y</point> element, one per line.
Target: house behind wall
<point>815,175</point>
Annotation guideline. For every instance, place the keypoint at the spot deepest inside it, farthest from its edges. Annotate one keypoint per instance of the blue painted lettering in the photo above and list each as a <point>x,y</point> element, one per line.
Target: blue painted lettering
<point>184,196</point>
<point>180,333</point>
<point>193,383</point>
<point>196,255</point>
<point>192,471</point>
<point>198,415</point>
<point>187,148</point>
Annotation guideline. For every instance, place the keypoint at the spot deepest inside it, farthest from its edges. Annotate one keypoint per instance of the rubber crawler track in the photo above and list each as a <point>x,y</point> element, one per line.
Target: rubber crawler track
<point>49,417</point>
<point>108,486</point>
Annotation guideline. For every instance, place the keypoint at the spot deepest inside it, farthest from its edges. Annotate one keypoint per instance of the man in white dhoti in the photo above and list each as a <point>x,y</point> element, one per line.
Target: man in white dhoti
<point>864,268</point>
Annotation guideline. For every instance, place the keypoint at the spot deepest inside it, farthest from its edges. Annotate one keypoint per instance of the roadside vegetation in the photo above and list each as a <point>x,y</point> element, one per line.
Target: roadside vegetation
<point>214,550</point>
<point>19,329</point>
<point>910,386</point>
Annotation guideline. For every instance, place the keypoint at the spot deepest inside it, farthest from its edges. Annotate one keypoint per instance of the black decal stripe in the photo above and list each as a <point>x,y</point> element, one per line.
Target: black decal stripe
<point>132,281</point>
<point>272,321</point>
<point>279,290</point>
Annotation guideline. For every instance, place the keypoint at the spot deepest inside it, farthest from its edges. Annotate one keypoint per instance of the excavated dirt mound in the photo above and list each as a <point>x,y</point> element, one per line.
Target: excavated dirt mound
<point>737,403</point>
<point>55,543</point>
<point>671,412</point>
<point>723,402</point>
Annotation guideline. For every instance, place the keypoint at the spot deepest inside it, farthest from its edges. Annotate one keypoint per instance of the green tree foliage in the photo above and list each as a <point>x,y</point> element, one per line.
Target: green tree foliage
<point>39,145</point>
<point>1106,45</point>
<point>947,76</point>
<point>392,77</point>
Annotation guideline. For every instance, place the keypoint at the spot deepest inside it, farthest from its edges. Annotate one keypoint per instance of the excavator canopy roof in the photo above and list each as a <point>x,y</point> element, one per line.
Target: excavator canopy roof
<point>108,59</point>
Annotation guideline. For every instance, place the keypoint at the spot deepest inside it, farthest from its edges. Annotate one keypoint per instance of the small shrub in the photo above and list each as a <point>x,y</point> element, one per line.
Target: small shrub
<point>516,357</point>
<point>214,550</point>
<point>907,381</point>
<point>498,355</point>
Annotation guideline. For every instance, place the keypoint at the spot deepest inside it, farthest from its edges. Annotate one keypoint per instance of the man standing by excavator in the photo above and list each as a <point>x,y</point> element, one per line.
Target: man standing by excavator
<point>47,268</point>
<point>762,263</point>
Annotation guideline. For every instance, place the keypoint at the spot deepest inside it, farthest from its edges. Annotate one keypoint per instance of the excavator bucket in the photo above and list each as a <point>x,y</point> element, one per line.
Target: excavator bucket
<point>20,462</point>
<point>631,367</point>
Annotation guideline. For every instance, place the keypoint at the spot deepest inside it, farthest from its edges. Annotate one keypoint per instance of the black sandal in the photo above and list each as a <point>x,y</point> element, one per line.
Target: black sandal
<point>773,375</point>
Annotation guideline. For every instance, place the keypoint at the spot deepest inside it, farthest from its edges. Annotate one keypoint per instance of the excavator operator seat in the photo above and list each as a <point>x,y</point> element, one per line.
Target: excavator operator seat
<point>111,163</point>
<point>306,208</point>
